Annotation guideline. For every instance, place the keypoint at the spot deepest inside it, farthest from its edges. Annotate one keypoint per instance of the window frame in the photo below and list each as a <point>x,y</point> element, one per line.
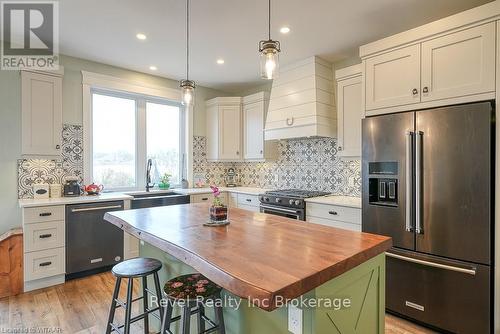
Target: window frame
<point>140,135</point>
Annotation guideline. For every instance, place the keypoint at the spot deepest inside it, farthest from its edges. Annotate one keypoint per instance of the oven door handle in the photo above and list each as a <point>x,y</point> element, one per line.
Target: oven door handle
<point>295,212</point>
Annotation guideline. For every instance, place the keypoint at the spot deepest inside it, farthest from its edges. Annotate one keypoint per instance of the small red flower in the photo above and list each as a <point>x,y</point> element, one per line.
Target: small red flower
<point>176,285</point>
<point>200,290</point>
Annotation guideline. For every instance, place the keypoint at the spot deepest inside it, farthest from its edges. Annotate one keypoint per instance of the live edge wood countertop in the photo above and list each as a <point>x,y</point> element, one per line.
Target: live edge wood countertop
<point>257,256</point>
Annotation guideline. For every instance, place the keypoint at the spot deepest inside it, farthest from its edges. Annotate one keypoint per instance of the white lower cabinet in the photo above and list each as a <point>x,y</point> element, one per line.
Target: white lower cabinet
<point>45,263</point>
<point>208,197</point>
<point>249,202</point>
<point>333,215</point>
<point>46,235</point>
<point>232,200</point>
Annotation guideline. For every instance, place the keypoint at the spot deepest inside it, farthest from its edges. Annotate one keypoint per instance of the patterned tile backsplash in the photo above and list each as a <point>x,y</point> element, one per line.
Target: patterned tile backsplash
<point>310,164</point>
<point>32,171</point>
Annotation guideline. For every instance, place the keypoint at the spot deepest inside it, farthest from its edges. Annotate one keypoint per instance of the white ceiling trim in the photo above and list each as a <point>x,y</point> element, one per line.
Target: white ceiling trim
<point>107,82</point>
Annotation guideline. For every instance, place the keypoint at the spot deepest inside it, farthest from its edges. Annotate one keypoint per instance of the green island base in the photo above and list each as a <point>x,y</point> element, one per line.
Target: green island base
<point>355,300</point>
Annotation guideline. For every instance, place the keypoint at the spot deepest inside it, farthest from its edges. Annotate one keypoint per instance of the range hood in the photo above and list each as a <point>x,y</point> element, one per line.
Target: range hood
<point>302,102</point>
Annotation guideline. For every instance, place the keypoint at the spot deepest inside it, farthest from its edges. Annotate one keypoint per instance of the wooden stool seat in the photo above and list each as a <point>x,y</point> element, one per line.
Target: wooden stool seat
<point>137,267</point>
<point>190,286</point>
<point>130,269</point>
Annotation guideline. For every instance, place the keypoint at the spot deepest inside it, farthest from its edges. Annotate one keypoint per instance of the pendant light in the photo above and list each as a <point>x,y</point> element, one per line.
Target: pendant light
<point>187,86</point>
<point>269,54</point>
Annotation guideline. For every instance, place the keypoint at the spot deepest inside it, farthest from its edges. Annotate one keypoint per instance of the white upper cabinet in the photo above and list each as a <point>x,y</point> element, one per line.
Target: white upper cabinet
<point>41,114</point>
<point>446,62</point>
<point>393,78</point>
<point>350,110</point>
<point>254,117</point>
<point>224,129</point>
<point>459,64</point>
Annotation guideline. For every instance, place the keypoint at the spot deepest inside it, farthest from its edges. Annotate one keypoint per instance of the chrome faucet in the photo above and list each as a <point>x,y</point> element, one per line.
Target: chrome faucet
<point>148,175</point>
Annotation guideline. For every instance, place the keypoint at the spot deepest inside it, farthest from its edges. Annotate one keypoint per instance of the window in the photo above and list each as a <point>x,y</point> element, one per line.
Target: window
<point>114,141</point>
<point>129,129</point>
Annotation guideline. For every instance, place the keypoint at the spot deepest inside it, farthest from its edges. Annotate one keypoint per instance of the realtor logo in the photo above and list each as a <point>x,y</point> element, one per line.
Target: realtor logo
<point>30,33</point>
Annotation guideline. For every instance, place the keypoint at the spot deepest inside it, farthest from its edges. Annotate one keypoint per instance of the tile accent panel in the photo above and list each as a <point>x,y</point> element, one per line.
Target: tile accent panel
<point>310,164</point>
<point>32,171</point>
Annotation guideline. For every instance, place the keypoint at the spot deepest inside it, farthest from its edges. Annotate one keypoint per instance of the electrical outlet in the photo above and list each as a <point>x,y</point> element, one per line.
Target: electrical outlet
<point>294,319</point>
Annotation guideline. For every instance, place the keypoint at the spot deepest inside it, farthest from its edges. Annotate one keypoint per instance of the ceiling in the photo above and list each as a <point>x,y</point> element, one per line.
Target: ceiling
<point>105,30</point>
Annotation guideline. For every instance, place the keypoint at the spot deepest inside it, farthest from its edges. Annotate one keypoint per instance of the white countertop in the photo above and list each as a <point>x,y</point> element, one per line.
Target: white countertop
<point>238,190</point>
<point>354,202</point>
<point>28,203</point>
<point>117,196</point>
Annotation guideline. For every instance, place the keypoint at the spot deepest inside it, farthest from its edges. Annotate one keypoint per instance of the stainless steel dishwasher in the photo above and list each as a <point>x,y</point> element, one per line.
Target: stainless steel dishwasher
<point>92,244</point>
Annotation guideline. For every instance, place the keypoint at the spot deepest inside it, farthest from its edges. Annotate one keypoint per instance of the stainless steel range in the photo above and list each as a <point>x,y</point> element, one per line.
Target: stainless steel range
<point>287,202</point>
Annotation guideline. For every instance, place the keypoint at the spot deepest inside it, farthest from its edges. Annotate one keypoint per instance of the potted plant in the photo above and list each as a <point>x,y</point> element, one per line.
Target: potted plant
<point>218,211</point>
<point>165,181</point>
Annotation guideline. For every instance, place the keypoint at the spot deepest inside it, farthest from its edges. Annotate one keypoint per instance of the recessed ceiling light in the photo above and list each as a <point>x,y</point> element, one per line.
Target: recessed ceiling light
<point>220,61</point>
<point>153,68</point>
<point>284,30</point>
<point>141,36</point>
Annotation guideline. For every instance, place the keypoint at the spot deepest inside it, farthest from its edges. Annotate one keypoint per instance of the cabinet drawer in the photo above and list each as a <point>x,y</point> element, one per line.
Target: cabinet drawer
<point>42,236</point>
<point>248,208</point>
<point>43,214</point>
<point>250,200</point>
<point>200,198</point>
<point>43,264</point>
<point>334,212</point>
<point>335,223</point>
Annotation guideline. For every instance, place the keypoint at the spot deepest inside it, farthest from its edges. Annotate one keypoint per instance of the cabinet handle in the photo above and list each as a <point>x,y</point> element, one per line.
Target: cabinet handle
<point>45,264</point>
<point>340,148</point>
<point>45,236</point>
<point>425,90</point>
<point>261,151</point>
<point>414,91</point>
<point>58,147</point>
<point>237,152</point>
<point>248,200</point>
<point>204,199</point>
<point>289,121</point>
<point>333,212</point>
<point>45,214</point>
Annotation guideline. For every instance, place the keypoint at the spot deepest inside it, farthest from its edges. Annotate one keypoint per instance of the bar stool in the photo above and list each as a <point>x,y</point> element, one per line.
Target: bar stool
<point>190,292</point>
<point>130,269</point>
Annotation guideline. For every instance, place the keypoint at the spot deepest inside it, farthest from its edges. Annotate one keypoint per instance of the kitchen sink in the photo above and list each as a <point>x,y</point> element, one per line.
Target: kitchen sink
<point>157,198</point>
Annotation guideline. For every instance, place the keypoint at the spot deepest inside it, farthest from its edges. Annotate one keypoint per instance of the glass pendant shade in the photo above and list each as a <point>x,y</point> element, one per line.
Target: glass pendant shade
<point>187,91</point>
<point>269,63</point>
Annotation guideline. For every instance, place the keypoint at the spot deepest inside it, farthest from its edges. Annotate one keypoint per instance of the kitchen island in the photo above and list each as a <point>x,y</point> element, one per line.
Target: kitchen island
<point>336,277</point>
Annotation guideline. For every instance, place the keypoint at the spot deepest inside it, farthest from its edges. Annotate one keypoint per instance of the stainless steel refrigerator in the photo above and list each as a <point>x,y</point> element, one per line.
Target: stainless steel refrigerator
<point>428,182</point>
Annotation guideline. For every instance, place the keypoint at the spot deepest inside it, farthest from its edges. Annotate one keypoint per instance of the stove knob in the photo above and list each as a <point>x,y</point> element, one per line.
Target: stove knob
<point>278,200</point>
<point>291,202</point>
<point>266,199</point>
<point>297,202</point>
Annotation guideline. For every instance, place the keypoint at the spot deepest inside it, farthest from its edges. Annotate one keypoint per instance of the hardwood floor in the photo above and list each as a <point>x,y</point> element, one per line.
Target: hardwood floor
<point>81,307</point>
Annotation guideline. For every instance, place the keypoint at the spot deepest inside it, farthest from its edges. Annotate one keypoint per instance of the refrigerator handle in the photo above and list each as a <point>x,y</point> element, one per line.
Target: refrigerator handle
<point>418,182</point>
<point>408,200</point>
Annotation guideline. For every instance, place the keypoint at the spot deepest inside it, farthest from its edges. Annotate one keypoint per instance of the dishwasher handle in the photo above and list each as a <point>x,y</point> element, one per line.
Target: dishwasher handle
<point>97,208</point>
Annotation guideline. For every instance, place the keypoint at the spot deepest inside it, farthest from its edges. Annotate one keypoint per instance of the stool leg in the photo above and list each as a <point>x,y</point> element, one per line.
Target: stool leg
<point>167,318</point>
<point>220,317</point>
<point>186,319</point>
<point>145,304</point>
<point>112,309</point>
<point>158,292</point>
<point>128,308</point>
<point>201,321</point>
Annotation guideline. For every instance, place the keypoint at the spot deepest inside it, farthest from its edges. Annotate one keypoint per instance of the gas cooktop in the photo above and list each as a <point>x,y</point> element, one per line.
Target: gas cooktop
<point>289,197</point>
<point>297,193</point>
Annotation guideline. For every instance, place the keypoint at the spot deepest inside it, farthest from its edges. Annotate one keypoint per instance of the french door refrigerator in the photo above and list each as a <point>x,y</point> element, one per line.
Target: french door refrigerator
<point>428,184</point>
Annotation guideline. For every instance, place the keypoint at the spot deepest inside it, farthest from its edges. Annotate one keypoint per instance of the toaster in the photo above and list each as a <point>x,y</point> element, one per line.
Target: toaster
<point>72,188</point>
